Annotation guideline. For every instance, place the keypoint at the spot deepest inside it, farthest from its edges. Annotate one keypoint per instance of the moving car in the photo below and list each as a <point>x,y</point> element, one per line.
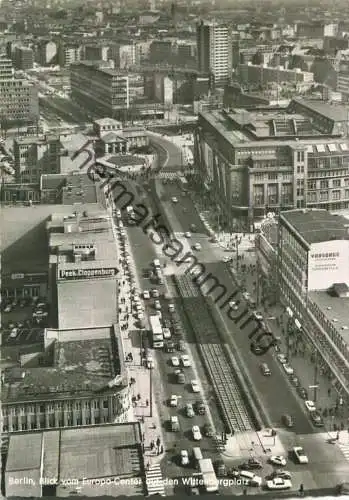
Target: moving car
<point>185,360</point>
<point>278,483</point>
<point>310,405</point>
<point>288,369</point>
<point>317,419</point>
<point>234,305</point>
<point>220,468</point>
<point>299,455</point>
<point>251,464</point>
<point>226,259</point>
<point>258,315</point>
<point>146,295</point>
<point>8,309</point>
<point>197,246</point>
<point>195,386</point>
<point>287,421</point>
<point>208,430</point>
<point>184,457</point>
<point>281,358</point>
<point>174,401</point>
<point>155,293</point>
<point>14,333</point>
<point>278,460</point>
<point>265,369</point>
<point>157,305</point>
<point>175,361</point>
<point>167,333</point>
<point>187,234</point>
<point>174,199</point>
<point>171,308</point>
<point>189,410</point>
<point>196,433</point>
<point>284,474</point>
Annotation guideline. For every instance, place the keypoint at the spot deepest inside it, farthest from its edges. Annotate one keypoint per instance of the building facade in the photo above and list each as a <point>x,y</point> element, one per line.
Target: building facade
<point>19,101</point>
<point>102,90</point>
<point>214,51</point>
<point>23,58</point>
<point>261,74</point>
<point>34,156</point>
<point>313,262</point>
<point>270,159</point>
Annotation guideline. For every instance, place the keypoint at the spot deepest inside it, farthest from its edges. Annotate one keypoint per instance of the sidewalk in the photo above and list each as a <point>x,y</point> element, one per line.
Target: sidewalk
<point>144,406</point>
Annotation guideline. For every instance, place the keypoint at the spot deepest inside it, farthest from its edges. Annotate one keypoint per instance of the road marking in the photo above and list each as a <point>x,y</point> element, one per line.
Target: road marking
<point>345,450</point>
<point>154,480</point>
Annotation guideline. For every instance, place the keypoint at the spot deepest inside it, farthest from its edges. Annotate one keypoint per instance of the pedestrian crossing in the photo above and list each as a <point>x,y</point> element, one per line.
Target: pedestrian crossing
<point>345,450</point>
<point>154,480</point>
<point>167,175</point>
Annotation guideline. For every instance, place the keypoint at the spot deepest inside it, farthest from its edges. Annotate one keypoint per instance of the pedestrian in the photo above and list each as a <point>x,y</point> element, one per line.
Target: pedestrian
<point>301,489</point>
<point>161,449</point>
<point>151,445</point>
<point>147,402</point>
<point>138,397</point>
<point>158,442</point>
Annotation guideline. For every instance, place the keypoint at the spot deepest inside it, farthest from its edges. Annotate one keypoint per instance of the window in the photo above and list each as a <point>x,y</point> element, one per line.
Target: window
<point>105,403</point>
<point>273,176</point>
<point>323,184</point>
<point>323,195</point>
<point>336,183</point>
<point>312,185</point>
<point>346,193</point>
<point>336,195</point>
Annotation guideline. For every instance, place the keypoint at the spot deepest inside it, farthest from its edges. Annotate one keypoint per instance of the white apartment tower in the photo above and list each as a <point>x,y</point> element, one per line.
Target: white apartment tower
<point>214,48</point>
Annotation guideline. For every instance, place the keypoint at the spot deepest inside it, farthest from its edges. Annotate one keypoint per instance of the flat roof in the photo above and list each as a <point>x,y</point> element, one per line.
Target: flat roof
<point>334,308</point>
<point>316,226</point>
<point>79,368</point>
<point>337,113</point>
<point>103,451</point>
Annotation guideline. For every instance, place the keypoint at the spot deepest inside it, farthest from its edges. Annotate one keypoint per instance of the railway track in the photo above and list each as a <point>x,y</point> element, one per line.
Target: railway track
<point>226,386</point>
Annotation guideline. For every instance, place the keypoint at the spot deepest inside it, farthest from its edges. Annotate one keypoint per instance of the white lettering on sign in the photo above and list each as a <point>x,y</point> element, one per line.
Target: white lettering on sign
<point>17,276</point>
<point>87,273</point>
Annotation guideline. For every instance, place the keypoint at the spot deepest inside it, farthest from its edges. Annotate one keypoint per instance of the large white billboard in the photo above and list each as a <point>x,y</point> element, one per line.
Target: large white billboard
<point>328,263</point>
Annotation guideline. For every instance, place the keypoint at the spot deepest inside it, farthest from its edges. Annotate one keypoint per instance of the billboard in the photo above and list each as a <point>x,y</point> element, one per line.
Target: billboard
<point>83,274</point>
<point>328,263</point>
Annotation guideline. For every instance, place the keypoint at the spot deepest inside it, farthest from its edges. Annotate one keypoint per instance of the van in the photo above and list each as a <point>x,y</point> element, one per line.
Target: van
<point>265,369</point>
<point>252,479</point>
<point>197,456</point>
<point>174,423</point>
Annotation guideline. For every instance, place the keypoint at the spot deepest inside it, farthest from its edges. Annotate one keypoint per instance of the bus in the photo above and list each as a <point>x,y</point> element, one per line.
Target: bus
<point>208,475</point>
<point>156,332</point>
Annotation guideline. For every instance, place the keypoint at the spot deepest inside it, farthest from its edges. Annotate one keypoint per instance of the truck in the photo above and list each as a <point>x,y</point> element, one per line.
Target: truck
<point>156,332</point>
<point>208,475</point>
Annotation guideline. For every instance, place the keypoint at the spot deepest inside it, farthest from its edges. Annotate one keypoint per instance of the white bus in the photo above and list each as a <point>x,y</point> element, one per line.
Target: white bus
<point>156,332</point>
<point>208,475</point>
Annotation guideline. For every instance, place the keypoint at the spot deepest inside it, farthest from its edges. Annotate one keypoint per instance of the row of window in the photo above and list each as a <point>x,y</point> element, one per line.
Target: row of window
<point>68,405</point>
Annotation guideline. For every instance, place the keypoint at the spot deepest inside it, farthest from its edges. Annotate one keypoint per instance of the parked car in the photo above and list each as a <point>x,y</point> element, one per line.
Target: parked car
<point>167,333</point>
<point>174,401</point>
<point>303,393</point>
<point>200,408</point>
<point>157,305</point>
<point>251,464</point>
<point>8,308</point>
<point>185,360</point>
<point>310,405</point>
<point>175,361</point>
<point>170,347</point>
<point>284,474</point>
<point>295,380</point>
<point>288,369</point>
<point>180,376</point>
<point>184,457</point>
<point>189,410</point>
<point>146,295</point>
<point>343,489</point>
<point>197,246</point>
<point>155,293</point>
<point>316,418</point>
<point>282,358</point>
<point>195,386</point>
<point>187,234</point>
<point>196,433</point>
<point>174,423</point>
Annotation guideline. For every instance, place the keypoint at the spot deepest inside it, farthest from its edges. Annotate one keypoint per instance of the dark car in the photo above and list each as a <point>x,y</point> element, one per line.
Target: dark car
<point>295,380</point>
<point>343,489</point>
<point>233,472</point>
<point>208,430</point>
<point>287,421</point>
<point>200,408</point>
<point>316,419</point>
<point>303,393</point>
<point>251,464</point>
<point>181,346</point>
<point>220,468</point>
<point>170,346</point>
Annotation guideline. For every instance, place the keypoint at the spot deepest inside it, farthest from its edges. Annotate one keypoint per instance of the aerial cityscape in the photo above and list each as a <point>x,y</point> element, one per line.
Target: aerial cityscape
<point>174,248</point>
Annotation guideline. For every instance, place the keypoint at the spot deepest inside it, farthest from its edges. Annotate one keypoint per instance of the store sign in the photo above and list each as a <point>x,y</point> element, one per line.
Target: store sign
<point>17,276</point>
<point>76,274</point>
<point>328,263</point>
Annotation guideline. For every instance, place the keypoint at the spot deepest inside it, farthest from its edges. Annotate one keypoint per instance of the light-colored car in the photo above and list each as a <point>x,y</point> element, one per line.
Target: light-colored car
<point>146,295</point>
<point>279,484</point>
<point>140,315</point>
<point>310,405</point>
<point>195,386</point>
<point>185,360</point>
<point>284,474</point>
<point>197,246</point>
<point>184,457</point>
<point>174,199</point>
<point>157,305</point>
<point>278,460</point>
<point>288,369</point>
<point>300,456</point>
<point>8,309</point>
<point>189,410</point>
<point>187,234</point>
<point>14,333</point>
<point>258,315</point>
<point>282,358</point>
<point>233,305</point>
<point>226,259</point>
<point>196,433</point>
<point>155,293</point>
<point>167,333</point>
<point>171,308</point>
<point>174,401</point>
<point>175,361</point>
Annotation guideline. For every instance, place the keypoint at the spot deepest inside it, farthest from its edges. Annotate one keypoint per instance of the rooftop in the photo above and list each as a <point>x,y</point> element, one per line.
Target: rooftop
<point>335,309</point>
<point>109,450</point>
<point>335,112</point>
<point>79,367</point>
<point>316,226</point>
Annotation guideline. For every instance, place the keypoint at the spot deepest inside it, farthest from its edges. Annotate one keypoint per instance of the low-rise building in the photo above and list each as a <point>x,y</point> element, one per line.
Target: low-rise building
<point>261,74</point>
